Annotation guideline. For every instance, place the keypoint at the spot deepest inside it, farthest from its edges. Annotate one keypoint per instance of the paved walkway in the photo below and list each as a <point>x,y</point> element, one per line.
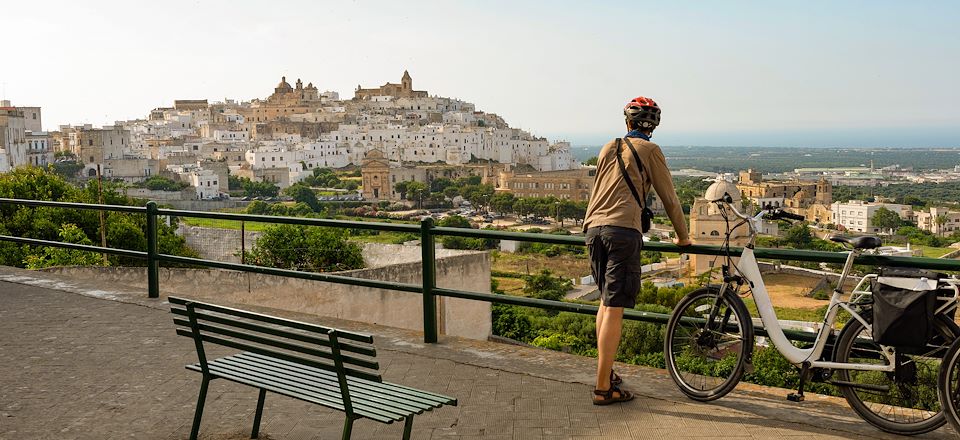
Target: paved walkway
<point>76,366</point>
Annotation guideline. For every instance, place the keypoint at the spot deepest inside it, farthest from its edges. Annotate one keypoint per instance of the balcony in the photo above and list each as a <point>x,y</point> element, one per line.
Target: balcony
<point>87,358</point>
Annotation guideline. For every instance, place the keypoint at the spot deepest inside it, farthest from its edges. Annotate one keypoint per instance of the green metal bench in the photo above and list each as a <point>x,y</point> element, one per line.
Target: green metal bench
<point>312,363</point>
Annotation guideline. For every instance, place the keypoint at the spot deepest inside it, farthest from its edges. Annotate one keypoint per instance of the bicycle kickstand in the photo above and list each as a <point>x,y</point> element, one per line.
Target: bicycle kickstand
<point>804,375</point>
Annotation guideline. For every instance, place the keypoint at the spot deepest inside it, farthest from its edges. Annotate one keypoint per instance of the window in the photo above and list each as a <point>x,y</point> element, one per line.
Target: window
<point>714,233</point>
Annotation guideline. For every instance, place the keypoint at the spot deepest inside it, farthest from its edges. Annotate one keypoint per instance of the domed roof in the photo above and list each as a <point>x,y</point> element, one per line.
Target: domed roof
<point>800,195</point>
<point>283,83</point>
<point>721,187</point>
<point>374,154</point>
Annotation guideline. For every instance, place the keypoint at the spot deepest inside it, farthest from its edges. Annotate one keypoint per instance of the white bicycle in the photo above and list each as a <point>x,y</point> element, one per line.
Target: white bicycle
<point>710,339</point>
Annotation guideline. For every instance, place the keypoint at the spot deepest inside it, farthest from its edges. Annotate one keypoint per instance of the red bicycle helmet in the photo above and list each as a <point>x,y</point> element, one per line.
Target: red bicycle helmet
<point>643,112</point>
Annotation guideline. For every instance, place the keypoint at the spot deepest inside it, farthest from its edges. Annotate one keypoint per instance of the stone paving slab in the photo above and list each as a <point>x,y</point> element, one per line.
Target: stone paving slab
<point>76,365</point>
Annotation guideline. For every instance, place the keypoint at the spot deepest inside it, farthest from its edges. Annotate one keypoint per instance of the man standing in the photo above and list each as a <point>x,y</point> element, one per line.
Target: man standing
<point>614,231</point>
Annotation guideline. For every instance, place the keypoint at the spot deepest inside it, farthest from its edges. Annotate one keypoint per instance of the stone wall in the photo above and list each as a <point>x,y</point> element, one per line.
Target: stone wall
<point>456,317</point>
<point>215,243</point>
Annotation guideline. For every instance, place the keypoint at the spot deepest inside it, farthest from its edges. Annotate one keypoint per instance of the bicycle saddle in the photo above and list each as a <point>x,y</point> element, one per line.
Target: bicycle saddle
<point>861,242</point>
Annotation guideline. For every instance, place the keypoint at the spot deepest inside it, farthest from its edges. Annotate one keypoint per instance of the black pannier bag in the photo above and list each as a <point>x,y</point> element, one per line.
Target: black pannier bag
<point>944,290</point>
<point>903,310</point>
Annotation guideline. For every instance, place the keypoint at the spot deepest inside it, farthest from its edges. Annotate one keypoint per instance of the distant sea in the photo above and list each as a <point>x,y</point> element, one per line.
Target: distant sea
<point>780,159</point>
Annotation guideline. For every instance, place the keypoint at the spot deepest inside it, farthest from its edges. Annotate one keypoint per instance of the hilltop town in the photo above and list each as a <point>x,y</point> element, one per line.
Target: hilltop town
<point>282,138</point>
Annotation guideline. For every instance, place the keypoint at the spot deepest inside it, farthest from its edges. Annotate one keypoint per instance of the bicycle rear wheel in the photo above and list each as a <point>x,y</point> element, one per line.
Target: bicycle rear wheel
<point>949,385</point>
<point>709,339</point>
<point>904,401</point>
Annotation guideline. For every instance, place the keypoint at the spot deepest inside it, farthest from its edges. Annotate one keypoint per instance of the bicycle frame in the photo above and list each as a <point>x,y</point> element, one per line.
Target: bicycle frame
<point>748,268</point>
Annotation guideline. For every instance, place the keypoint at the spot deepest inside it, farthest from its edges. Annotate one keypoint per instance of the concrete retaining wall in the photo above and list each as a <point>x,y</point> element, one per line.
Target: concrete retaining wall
<point>456,317</point>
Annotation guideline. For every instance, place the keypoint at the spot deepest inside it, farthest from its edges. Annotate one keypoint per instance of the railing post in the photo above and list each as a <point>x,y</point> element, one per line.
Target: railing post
<point>429,261</point>
<point>153,266</point>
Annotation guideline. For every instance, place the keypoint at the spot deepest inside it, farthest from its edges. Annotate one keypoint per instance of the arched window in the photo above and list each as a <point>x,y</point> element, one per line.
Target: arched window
<point>714,233</point>
<point>92,173</point>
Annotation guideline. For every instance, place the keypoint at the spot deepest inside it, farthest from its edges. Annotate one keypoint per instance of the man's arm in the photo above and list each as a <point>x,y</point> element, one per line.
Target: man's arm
<point>663,184</point>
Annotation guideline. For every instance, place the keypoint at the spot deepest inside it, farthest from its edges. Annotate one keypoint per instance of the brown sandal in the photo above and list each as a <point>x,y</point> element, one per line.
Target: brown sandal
<point>615,380</point>
<point>608,398</point>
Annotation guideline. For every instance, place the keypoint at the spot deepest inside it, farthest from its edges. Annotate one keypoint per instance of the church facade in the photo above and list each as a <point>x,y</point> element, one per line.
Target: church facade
<point>402,90</point>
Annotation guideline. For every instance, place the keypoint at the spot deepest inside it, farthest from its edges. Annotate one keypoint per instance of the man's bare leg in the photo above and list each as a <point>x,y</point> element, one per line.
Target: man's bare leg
<point>609,329</point>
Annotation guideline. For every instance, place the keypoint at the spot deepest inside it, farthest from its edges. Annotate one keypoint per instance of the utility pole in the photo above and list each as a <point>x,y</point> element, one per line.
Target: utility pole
<point>103,222</point>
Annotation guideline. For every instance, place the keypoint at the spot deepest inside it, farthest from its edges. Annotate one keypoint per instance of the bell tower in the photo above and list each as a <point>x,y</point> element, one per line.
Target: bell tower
<point>824,191</point>
<point>406,81</point>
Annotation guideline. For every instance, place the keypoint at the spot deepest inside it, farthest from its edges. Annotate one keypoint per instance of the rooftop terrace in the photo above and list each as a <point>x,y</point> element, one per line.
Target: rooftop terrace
<point>88,362</point>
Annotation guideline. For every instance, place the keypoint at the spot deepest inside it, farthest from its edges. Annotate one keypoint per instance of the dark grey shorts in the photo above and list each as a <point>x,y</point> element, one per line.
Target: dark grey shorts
<point>615,263</point>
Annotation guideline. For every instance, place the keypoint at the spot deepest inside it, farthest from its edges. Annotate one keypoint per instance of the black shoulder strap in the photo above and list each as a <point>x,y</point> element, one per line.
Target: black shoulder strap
<point>636,157</point>
<point>626,177</point>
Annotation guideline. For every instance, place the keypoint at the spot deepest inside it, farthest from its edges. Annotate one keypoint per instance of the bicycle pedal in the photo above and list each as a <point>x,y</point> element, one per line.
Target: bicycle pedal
<point>794,397</point>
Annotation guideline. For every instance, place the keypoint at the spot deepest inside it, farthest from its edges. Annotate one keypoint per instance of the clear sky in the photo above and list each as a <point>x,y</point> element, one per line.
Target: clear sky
<point>813,73</point>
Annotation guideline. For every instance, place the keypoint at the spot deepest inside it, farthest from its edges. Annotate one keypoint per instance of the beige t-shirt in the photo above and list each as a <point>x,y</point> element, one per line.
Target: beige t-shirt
<point>611,202</point>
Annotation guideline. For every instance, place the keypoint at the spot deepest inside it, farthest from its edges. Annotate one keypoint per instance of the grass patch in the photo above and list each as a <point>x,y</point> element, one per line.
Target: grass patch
<point>225,224</point>
<point>566,266</point>
<point>933,252</point>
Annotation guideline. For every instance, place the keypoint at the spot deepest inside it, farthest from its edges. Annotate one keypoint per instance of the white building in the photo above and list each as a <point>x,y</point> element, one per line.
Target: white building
<point>940,221</point>
<point>857,215</point>
<point>13,140</point>
<point>39,152</point>
<point>231,135</point>
<point>206,183</point>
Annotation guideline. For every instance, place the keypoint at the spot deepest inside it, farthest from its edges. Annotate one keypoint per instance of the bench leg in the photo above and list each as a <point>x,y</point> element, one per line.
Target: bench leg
<point>256,418</point>
<point>407,427</point>
<point>199,414</point>
<point>347,428</point>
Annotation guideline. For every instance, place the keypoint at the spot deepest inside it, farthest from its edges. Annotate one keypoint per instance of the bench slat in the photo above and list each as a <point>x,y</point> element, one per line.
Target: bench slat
<point>399,389</point>
<point>293,390</point>
<point>246,325</point>
<point>377,393</point>
<point>272,319</point>
<point>347,359</point>
<point>279,355</point>
<point>365,397</point>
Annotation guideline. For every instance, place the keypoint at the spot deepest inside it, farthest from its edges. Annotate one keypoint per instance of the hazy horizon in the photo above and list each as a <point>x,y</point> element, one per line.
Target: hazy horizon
<point>851,74</point>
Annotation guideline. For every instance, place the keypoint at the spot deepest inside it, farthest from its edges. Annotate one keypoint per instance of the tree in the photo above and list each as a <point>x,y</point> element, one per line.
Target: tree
<point>545,285</point>
<point>502,202</point>
<point>306,248</point>
<point>303,194</point>
<point>940,220</point>
<point>259,189</point>
<point>799,236</point>
<point>454,242</point>
<point>123,230</point>
<point>886,219</point>
<point>401,188</point>
<point>160,183</point>
<point>591,161</point>
<point>54,256</point>
<point>415,191</point>
<point>235,183</point>
<point>440,184</point>
<point>478,195</point>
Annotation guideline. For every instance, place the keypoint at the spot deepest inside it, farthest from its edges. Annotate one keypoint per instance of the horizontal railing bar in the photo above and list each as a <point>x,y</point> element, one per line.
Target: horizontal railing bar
<point>91,206</point>
<point>516,236</point>
<point>768,253</point>
<point>588,309</point>
<point>306,221</point>
<point>79,247</point>
<point>313,276</point>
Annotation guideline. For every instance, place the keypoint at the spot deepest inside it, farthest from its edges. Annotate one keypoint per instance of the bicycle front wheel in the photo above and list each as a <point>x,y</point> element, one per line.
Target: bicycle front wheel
<point>709,339</point>
<point>949,385</point>
<point>903,401</point>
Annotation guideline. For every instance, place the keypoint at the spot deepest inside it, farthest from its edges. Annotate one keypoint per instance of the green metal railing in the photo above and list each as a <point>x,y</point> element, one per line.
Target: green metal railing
<point>428,233</point>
